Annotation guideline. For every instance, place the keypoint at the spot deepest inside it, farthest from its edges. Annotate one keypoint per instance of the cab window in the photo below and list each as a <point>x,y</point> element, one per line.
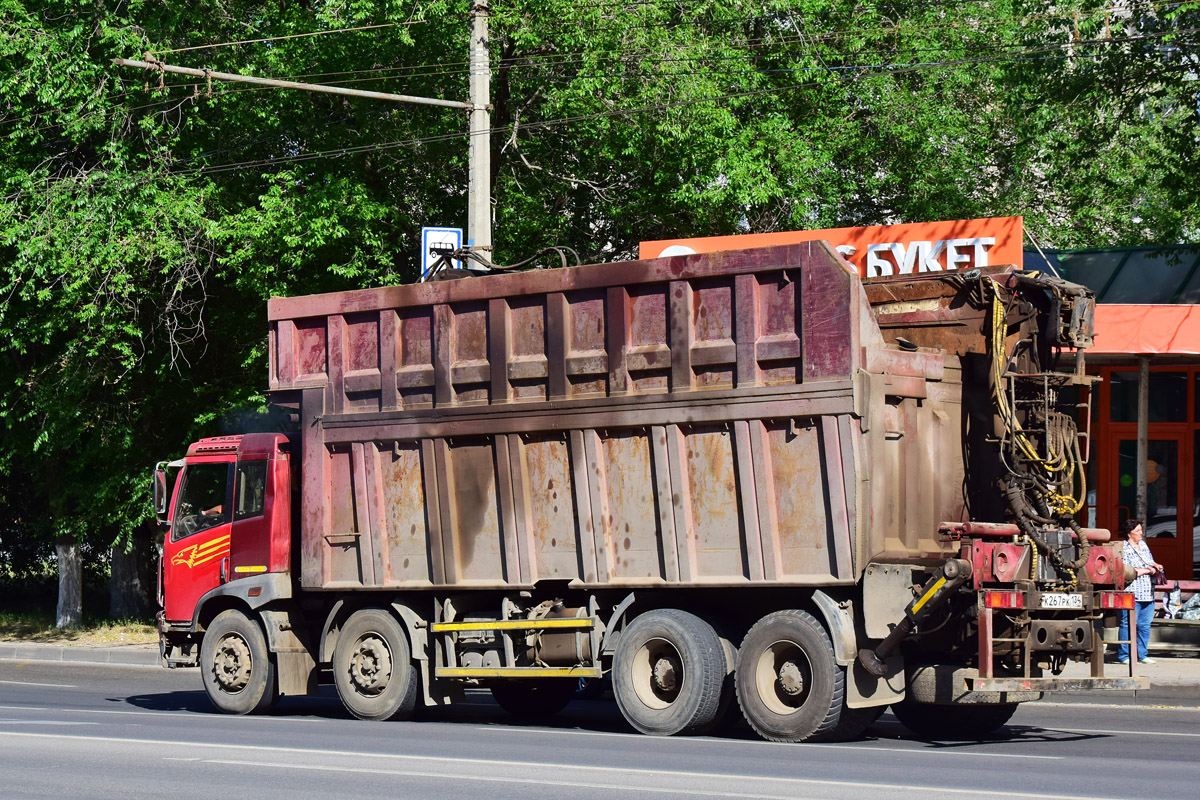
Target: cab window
<point>202,499</point>
<point>250,490</point>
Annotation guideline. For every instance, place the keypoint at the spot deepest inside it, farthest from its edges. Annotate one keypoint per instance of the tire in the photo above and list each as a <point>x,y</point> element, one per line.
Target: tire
<point>853,721</point>
<point>729,716</point>
<point>372,667</point>
<point>534,698</point>
<point>789,687</point>
<point>930,721</point>
<point>236,666</point>
<point>668,671</point>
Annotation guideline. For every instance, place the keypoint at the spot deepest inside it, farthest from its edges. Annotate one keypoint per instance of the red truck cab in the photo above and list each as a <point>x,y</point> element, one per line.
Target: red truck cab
<point>229,518</point>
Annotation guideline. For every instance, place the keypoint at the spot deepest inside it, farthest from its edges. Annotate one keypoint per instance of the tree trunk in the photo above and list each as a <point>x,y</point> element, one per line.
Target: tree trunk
<point>70,583</point>
<point>131,585</point>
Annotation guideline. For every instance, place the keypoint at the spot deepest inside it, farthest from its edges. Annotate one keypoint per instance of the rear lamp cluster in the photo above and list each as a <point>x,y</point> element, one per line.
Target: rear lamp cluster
<point>1003,599</point>
<point>1116,600</point>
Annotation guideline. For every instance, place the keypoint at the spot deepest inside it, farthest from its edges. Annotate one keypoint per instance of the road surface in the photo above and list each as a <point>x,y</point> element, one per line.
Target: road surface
<point>92,731</point>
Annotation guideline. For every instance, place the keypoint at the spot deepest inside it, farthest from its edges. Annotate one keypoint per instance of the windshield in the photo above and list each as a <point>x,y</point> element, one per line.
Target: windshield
<point>201,499</point>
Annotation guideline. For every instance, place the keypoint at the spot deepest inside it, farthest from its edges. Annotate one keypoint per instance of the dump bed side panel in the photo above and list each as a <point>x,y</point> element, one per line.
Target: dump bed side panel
<point>682,421</point>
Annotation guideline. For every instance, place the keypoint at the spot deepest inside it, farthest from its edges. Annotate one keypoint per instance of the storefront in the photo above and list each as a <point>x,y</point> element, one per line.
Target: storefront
<point>1146,358</point>
<point>1152,473</point>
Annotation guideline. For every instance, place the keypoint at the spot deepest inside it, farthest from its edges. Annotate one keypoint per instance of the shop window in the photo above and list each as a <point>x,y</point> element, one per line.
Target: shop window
<point>1196,506</point>
<point>1162,485</point>
<point>1168,396</point>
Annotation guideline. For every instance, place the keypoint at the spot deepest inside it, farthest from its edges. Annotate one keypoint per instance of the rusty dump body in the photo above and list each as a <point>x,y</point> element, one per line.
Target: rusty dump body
<point>727,419</point>
<point>665,473</point>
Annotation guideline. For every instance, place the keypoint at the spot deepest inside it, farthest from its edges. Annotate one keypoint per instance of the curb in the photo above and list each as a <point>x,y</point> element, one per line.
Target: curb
<point>129,656</point>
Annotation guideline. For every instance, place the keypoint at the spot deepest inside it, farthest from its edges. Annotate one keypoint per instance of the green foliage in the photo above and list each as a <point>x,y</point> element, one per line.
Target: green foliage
<point>145,219</point>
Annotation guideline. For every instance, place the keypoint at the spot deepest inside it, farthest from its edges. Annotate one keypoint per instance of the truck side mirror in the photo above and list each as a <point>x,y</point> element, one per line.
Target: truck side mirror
<point>160,494</point>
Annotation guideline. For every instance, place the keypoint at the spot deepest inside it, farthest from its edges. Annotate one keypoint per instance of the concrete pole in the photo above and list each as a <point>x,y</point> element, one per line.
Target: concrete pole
<point>1143,435</point>
<point>479,194</point>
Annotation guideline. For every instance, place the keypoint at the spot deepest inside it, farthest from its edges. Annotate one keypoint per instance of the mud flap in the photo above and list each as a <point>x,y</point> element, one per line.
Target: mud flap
<point>864,690</point>
<point>295,666</point>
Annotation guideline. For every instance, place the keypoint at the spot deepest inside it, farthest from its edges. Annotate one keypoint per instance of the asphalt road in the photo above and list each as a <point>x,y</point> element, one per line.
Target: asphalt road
<point>91,731</point>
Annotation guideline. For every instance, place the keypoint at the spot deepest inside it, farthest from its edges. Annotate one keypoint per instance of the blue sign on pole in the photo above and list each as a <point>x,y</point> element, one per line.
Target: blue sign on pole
<point>441,239</point>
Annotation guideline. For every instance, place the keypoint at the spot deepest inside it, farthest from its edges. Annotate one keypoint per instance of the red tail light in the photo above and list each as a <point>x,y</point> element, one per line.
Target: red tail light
<point>1004,599</point>
<point>1118,600</point>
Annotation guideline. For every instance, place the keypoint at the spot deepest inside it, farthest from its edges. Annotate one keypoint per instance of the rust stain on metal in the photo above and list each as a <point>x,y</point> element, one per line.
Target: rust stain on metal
<point>731,357</point>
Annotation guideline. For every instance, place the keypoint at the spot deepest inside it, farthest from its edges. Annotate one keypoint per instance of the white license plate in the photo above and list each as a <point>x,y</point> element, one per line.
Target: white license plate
<point>1062,601</point>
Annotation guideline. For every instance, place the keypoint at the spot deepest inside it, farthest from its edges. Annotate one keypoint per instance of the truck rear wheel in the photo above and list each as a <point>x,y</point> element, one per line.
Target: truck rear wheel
<point>668,671</point>
<point>236,665</point>
<point>533,697</point>
<point>952,722</point>
<point>788,684</point>
<point>372,667</point>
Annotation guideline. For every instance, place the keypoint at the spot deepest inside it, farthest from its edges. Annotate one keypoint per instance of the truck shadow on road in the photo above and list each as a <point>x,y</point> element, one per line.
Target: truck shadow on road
<point>889,729</point>
<point>593,716</point>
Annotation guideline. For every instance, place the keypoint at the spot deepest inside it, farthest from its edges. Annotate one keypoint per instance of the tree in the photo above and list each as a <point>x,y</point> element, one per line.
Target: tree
<point>145,219</point>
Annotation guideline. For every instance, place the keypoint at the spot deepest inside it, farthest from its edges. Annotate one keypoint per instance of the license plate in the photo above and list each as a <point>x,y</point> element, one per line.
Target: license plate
<point>1062,600</point>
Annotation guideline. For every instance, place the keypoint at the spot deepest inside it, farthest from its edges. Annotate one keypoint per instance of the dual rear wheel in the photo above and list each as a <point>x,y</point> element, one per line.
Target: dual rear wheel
<point>673,674</point>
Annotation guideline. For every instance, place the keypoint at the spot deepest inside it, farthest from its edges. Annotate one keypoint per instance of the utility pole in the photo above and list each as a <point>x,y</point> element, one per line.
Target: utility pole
<point>479,194</point>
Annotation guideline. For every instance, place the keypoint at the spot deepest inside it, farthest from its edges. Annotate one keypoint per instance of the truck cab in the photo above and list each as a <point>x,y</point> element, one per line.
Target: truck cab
<point>229,519</point>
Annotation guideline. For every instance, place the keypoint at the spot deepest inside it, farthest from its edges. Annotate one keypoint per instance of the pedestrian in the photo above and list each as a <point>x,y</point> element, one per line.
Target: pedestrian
<point>1138,556</point>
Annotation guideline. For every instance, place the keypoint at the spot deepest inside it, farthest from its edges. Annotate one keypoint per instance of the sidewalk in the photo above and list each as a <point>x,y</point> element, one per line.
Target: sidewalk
<point>130,654</point>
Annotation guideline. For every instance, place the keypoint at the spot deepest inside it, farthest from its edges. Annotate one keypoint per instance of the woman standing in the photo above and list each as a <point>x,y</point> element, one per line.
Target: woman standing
<point>1137,555</point>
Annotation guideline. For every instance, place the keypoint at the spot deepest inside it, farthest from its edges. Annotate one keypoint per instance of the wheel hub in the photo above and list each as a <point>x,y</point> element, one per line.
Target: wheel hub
<point>666,674</point>
<point>232,664</point>
<point>783,677</point>
<point>657,673</point>
<point>791,679</point>
<point>371,665</point>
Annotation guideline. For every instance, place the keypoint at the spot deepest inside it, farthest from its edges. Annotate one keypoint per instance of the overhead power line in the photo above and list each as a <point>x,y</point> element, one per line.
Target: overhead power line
<point>543,124</point>
<point>287,36</point>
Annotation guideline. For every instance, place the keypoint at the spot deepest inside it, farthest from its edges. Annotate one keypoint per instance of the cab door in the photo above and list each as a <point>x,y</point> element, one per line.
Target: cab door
<point>196,552</point>
<point>251,550</point>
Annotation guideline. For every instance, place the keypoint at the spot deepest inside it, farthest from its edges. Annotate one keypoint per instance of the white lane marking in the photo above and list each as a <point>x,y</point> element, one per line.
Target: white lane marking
<point>865,746</point>
<point>790,782</point>
<point>44,722</point>
<point>179,714</point>
<point>545,768</point>
<point>51,685</point>
<point>89,711</point>
<point>630,736</point>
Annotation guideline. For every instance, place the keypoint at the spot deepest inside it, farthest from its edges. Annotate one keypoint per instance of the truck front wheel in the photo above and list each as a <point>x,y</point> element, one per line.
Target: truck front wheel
<point>668,672</point>
<point>372,667</point>
<point>788,684</point>
<point>236,666</point>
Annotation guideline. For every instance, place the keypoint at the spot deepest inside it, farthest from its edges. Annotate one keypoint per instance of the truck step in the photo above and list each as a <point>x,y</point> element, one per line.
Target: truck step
<point>518,672</point>
<point>513,625</point>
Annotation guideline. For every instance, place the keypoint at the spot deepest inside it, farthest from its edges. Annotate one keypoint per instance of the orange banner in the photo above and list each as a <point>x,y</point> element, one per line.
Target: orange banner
<point>881,250</point>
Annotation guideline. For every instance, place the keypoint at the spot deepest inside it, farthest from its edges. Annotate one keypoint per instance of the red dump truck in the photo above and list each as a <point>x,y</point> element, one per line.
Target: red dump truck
<point>734,483</point>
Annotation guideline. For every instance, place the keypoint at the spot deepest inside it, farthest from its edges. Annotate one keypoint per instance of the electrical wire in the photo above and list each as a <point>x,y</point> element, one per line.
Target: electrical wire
<point>528,62</point>
<point>338,152</point>
<point>288,36</point>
